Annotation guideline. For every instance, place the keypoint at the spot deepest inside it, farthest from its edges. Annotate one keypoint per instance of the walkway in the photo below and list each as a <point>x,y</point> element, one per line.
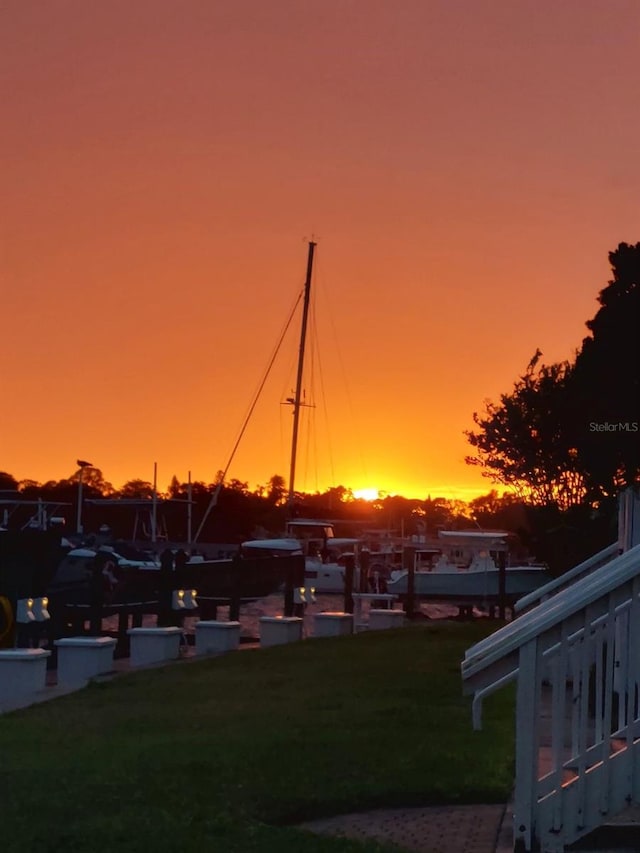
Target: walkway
<point>434,829</point>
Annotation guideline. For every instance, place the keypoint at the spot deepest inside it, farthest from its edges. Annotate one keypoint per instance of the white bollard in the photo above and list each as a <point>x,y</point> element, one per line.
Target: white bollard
<point>23,673</point>
<point>154,645</point>
<point>332,624</point>
<point>213,636</point>
<point>82,658</point>
<point>381,620</point>
<point>278,630</point>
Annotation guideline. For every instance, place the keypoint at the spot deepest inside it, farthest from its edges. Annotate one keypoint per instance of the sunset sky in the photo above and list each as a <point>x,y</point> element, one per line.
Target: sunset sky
<point>465,167</point>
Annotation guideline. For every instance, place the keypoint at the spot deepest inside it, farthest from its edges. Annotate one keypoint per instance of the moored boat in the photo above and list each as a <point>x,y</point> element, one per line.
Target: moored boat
<point>324,553</point>
<point>465,569</point>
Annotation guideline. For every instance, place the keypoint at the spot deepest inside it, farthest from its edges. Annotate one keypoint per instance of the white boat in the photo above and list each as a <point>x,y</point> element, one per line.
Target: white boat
<point>465,569</point>
<point>122,576</point>
<point>324,552</point>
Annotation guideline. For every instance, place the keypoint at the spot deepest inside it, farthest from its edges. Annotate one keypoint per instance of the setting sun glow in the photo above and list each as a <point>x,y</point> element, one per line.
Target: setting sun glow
<point>366,494</point>
<point>165,166</point>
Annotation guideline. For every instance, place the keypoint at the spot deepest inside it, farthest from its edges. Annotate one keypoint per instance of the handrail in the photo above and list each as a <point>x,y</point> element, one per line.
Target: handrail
<point>515,626</point>
<point>575,656</point>
<point>564,604</point>
<point>555,585</point>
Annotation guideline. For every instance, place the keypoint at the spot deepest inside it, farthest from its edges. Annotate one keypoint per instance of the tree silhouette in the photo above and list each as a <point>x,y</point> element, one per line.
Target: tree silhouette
<point>92,479</point>
<point>175,490</point>
<point>137,489</point>
<point>606,381</point>
<point>526,441</point>
<point>7,482</point>
<point>569,433</point>
<point>277,491</point>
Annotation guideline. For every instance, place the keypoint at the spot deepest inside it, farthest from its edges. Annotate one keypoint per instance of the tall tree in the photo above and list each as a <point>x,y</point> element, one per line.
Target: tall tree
<point>277,491</point>
<point>606,380</point>
<point>569,433</point>
<point>525,441</point>
<point>93,480</point>
<point>175,489</point>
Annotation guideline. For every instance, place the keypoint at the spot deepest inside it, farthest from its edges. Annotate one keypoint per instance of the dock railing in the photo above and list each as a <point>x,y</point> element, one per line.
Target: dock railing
<point>577,654</point>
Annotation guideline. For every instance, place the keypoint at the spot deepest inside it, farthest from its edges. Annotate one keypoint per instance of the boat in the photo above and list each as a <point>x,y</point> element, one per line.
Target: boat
<point>464,569</point>
<point>255,572</point>
<point>125,577</point>
<point>28,561</point>
<point>324,553</point>
<point>132,578</point>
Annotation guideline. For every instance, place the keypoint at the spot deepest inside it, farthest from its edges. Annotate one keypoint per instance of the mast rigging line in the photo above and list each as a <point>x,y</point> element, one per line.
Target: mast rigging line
<point>274,355</point>
<point>355,424</point>
<point>323,394</point>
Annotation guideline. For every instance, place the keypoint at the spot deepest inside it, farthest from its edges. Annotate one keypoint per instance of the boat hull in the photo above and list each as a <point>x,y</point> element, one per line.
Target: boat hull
<point>471,586</point>
<point>325,578</point>
<point>246,580</point>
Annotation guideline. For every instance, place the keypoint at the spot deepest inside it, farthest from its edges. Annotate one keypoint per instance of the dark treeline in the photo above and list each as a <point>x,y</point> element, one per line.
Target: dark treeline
<point>554,536</point>
<point>241,512</point>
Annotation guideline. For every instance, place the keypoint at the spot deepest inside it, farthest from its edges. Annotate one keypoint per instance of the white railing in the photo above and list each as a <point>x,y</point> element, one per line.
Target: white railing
<point>628,536</point>
<point>557,584</point>
<point>576,657</point>
<point>629,518</point>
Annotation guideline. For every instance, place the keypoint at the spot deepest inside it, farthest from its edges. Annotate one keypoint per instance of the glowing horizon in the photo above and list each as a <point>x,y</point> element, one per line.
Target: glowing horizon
<point>463,174</point>
<point>365,493</point>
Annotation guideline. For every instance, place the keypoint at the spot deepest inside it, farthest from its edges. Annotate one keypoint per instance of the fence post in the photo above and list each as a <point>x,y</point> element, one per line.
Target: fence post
<point>289,584</point>
<point>165,585</point>
<point>349,567</point>
<point>234,604</point>
<point>502,584</point>
<point>411,589</point>
<point>96,598</point>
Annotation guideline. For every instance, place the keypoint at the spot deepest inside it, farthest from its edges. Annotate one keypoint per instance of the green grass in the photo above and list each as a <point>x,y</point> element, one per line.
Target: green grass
<point>225,754</point>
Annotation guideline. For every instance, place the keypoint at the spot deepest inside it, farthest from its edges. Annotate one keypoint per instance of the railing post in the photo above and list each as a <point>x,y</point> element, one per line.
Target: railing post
<point>527,722</point>
<point>502,585</point>
<point>349,569</point>
<point>631,688</point>
<point>363,579</point>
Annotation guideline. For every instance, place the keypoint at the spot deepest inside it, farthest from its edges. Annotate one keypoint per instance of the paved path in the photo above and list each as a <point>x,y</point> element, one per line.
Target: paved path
<point>435,829</point>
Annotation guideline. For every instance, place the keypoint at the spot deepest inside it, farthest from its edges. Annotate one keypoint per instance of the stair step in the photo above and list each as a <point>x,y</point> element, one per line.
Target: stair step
<point>609,838</point>
<point>620,833</point>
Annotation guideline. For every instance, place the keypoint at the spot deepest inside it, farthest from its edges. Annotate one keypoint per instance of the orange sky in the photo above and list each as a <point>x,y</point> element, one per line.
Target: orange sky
<point>464,166</point>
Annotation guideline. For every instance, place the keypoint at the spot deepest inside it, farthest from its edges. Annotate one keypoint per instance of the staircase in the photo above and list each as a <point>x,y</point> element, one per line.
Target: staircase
<point>576,660</point>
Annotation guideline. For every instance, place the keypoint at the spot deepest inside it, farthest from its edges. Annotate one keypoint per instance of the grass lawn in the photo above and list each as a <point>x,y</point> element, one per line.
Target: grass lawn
<point>224,754</point>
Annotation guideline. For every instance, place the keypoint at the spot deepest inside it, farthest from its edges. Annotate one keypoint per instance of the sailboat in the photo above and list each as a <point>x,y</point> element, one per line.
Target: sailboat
<point>314,538</point>
<point>218,579</point>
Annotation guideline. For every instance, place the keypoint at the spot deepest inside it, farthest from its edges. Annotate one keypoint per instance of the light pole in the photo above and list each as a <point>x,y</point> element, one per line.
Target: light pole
<point>82,465</point>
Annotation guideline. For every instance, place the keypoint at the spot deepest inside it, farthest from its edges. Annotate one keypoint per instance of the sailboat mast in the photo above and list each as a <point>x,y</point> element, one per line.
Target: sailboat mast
<point>297,401</point>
